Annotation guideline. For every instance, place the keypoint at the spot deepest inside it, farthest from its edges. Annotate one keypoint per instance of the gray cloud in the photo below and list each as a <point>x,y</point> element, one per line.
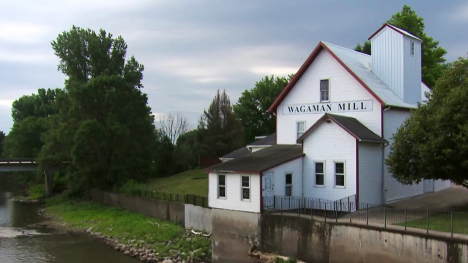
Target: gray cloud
<point>192,48</point>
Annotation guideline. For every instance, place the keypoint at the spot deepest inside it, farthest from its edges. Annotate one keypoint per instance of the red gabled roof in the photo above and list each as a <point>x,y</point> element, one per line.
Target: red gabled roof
<point>396,29</point>
<point>304,68</point>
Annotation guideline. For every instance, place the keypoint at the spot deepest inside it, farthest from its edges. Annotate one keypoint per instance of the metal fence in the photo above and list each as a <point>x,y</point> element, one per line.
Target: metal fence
<point>187,198</point>
<point>349,211</point>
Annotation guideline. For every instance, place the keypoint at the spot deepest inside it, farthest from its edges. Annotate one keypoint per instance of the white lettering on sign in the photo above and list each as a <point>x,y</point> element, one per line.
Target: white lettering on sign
<point>346,106</point>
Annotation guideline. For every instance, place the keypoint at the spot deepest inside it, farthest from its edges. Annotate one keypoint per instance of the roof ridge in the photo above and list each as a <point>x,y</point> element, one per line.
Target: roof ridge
<point>347,49</point>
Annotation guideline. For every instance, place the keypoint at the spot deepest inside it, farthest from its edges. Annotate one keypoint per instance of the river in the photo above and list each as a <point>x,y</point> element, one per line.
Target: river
<point>20,243</point>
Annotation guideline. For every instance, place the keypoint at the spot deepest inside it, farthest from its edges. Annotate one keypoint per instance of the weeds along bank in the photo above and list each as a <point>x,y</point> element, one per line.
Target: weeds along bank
<point>136,235</point>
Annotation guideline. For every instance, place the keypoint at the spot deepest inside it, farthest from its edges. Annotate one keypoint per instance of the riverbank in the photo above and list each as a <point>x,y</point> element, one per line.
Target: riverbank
<point>135,235</point>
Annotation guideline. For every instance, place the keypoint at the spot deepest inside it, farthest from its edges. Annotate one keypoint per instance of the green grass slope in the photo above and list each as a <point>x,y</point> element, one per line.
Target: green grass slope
<point>189,182</point>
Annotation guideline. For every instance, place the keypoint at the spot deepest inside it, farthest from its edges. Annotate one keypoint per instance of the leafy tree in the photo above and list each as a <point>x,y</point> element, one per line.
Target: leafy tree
<point>432,55</point>
<point>366,48</point>
<point>31,114</point>
<point>219,132</point>
<point>433,142</point>
<point>24,139</point>
<point>187,151</point>
<point>173,125</point>
<point>252,107</point>
<point>104,126</point>
<point>2,140</point>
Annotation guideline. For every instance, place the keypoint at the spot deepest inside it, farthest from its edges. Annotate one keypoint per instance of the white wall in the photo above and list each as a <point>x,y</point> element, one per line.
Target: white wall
<point>393,189</point>
<point>279,174</point>
<point>370,173</point>
<point>329,143</point>
<point>233,193</point>
<point>387,59</point>
<point>441,185</point>
<point>412,71</point>
<point>343,87</point>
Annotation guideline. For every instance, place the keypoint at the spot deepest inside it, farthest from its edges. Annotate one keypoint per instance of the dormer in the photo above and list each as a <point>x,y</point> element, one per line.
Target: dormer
<point>396,60</point>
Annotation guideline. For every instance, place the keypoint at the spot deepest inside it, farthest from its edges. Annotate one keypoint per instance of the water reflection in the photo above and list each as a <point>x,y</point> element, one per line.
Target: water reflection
<point>15,217</point>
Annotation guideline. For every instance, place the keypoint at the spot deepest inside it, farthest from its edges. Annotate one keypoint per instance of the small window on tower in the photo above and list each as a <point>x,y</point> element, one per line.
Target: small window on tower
<point>412,48</point>
<point>324,90</point>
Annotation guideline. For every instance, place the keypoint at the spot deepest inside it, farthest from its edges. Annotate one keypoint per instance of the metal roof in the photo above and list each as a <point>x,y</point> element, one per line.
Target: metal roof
<point>349,124</point>
<point>360,64</point>
<point>260,161</point>
<point>399,30</point>
<point>269,140</point>
<point>236,153</point>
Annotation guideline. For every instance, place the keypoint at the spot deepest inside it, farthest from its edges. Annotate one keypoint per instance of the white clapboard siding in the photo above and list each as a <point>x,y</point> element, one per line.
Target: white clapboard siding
<point>370,173</point>
<point>343,87</point>
<point>233,193</point>
<point>279,174</point>
<point>329,143</point>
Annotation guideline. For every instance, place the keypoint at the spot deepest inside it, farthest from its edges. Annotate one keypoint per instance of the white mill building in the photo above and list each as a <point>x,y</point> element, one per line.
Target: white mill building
<point>334,126</point>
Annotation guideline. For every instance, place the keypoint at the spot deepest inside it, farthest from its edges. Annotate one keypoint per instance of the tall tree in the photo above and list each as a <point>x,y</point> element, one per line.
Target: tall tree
<point>31,115</point>
<point>252,107</point>
<point>105,127</point>
<point>365,48</point>
<point>173,125</point>
<point>219,130</point>
<point>433,142</point>
<point>432,55</point>
<point>2,141</point>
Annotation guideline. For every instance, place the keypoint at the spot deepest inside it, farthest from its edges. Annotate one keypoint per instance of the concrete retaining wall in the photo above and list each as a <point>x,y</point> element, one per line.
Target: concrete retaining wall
<point>159,209</point>
<point>315,241</point>
<point>198,218</point>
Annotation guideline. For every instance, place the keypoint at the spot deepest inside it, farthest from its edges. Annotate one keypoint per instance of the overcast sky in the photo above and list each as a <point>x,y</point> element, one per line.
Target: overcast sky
<point>192,48</point>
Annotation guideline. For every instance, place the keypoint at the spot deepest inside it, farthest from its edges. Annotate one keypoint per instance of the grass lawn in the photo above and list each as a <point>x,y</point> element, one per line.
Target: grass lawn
<point>189,182</point>
<point>442,222</point>
<point>129,228</point>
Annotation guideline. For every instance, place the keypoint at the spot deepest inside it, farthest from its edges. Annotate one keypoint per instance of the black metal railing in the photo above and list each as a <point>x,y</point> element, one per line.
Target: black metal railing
<point>349,211</point>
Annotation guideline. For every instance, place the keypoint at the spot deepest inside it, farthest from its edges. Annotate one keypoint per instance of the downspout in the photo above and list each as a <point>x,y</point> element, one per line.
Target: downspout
<point>383,155</point>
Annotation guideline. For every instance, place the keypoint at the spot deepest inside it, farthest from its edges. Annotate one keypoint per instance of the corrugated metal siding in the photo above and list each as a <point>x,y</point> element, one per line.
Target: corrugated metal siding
<point>329,143</point>
<point>279,174</point>
<point>233,193</point>
<point>343,87</point>
<point>370,173</point>
<point>393,189</point>
<point>387,59</point>
<point>412,74</point>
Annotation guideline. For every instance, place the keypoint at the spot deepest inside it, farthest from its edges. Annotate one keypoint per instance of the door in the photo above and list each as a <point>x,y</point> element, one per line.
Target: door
<point>268,191</point>
<point>428,186</point>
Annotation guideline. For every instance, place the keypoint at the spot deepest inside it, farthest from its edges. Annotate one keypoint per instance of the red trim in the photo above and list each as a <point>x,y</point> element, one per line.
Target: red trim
<point>303,69</point>
<point>357,174</point>
<point>394,28</point>
<point>276,129</point>
<point>261,194</point>
<point>296,77</point>
<point>355,76</point>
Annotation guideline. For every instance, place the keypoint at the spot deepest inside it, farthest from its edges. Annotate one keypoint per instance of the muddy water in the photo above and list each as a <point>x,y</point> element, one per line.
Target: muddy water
<point>21,243</point>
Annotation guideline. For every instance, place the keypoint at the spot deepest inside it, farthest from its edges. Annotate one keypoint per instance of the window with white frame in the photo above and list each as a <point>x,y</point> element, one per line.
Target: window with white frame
<point>319,174</point>
<point>339,174</point>
<point>324,90</point>
<point>245,187</point>
<point>412,48</point>
<point>221,186</point>
<point>288,190</point>
<point>300,128</point>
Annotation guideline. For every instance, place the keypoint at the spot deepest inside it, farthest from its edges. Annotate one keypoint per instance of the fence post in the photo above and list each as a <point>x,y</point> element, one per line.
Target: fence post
<point>427,226</point>
<point>349,210</point>
<point>274,202</point>
<point>298,207</point>
<point>336,211</point>
<point>341,206</point>
<point>385,215</point>
<point>203,202</point>
<point>406,217</point>
<point>311,211</point>
<point>451,221</point>
<point>289,207</point>
<point>367,214</point>
<point>281,205</point>
<point>164,196</point>
<point>325,212</point>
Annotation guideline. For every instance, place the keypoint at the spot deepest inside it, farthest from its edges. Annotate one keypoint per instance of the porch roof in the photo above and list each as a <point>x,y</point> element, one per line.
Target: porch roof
<point>260,161</point>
